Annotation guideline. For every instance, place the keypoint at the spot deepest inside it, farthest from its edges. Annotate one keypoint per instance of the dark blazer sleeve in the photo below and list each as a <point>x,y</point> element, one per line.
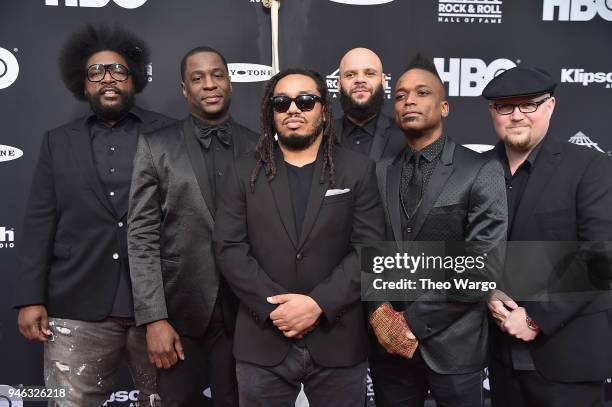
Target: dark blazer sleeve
<point>485,228</point>
<point>594,224</point>
<point>248,280</point>
<point>144,226</point>
<point>343,286</point>
<point>38,232</point>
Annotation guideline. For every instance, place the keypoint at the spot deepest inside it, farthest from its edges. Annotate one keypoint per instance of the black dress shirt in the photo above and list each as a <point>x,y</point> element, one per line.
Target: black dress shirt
<point>411,193</point>
<point>516,352</point>
<point>113,149</point>
<point>359,138</point>
<point>218,155</point>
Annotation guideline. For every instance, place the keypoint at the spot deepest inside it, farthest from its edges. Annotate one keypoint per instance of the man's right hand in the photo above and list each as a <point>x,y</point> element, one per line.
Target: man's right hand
<point>33,323</point>
<point>163,345</point>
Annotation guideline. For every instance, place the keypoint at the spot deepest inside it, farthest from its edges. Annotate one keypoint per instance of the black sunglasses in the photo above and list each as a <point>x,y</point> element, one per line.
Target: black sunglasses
<point>305,102</point>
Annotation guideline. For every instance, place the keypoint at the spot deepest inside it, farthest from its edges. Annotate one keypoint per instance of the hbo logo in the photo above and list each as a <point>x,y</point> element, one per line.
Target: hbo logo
<point>469,76</point>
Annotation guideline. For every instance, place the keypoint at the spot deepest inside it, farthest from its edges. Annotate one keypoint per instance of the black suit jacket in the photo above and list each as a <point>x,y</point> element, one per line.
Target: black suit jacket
<point>465,200</point>
<point>74,243</point>
<point>171,220</point>
<point>260,254</point>
<point>568,198</point>
<point>388,140</point>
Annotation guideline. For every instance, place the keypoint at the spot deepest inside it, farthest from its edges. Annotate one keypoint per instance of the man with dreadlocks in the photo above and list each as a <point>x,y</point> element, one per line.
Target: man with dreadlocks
<point>286,238</point>
<point>74,291</point>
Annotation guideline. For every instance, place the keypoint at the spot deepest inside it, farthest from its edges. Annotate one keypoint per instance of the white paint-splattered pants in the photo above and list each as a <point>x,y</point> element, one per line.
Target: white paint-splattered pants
<point>85,356</point>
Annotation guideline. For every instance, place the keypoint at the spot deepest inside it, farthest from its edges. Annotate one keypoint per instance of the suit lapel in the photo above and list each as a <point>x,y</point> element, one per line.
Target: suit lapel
<point>315,199</point>
<point>282,196</point>
<point>394,174</point>
<point>337,125</point>
<point>149,122</point>
<point>82,151</point>
<point>443,170</point>
<point>546,162</point>
<point>199,167</point>
<point>381,137</point>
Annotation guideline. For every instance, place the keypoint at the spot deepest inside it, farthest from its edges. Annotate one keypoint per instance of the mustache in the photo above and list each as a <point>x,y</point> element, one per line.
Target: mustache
<point>113,88</point>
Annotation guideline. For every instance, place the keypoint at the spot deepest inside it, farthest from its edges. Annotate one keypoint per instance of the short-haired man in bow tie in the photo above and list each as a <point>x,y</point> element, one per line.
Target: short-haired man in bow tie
<point>179,294</point>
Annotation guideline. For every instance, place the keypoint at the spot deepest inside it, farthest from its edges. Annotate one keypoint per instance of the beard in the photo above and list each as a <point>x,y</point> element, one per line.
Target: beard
<point>114,112</point>
<point>295,142</point>
<point>362,110</point>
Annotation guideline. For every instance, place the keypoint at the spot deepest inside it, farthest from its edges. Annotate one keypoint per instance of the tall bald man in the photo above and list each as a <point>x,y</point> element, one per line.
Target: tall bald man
<point>364,127</point>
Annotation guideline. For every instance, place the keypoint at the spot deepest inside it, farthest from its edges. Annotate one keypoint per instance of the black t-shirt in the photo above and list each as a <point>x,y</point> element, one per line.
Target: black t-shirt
<point>300,179</point>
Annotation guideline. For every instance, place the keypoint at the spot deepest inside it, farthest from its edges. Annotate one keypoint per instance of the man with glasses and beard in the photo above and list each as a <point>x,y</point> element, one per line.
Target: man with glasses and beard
<point>551,346</point>
<point>288,228</point>
<point>74,292</point>
<point>364,127</point>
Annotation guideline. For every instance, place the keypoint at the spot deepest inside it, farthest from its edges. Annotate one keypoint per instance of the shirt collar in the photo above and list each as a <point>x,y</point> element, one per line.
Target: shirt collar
<point>369,127</point>
<point>134,113</point>
<point>201,124</point>
<point>529,161</point>
<point>429,152</point>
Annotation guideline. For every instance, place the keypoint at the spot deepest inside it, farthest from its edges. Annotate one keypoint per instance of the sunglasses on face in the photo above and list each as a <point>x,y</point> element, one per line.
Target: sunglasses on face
<point>305,103</point>
<point>97,72</point>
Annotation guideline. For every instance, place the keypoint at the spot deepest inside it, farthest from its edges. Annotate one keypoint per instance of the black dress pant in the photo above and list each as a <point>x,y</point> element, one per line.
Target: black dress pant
<point>522,388</point>
<point>400,382</point>
<point>209,356</point>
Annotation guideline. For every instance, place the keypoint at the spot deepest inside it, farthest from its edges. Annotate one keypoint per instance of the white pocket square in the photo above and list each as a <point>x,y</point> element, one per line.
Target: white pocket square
<point>332,192</point>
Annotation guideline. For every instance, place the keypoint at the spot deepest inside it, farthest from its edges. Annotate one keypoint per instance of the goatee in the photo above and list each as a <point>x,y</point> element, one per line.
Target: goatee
<point>365,110</point>
<point>295,142</point>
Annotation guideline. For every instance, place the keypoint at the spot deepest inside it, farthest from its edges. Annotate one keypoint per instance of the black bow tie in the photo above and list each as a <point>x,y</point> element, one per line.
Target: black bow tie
<point>221,131</point>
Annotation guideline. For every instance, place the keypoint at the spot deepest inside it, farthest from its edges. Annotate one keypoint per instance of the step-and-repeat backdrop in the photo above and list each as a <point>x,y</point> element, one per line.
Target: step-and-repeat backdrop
<point>470,40</point>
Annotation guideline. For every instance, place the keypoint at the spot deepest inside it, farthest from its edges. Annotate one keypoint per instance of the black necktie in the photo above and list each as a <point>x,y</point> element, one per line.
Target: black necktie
<point>412,187</point>
<point>221,132</point>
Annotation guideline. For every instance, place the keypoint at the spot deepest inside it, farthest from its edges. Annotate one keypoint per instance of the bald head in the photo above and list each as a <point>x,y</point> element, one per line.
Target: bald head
<point>361,84</point>
<point>359,58</point>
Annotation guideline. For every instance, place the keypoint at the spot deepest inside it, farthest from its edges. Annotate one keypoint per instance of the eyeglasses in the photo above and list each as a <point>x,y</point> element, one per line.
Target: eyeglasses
<point>97,72</point>
<point>525,107</point>
<point>305,103</point>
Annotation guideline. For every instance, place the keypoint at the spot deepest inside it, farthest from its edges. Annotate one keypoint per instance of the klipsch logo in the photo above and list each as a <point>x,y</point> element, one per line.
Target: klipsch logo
<point>8,153</point>
<point>574,75</point>
<point>469,76</point>
<point>576,10</point>
<point>582,139</point>
<point>470,11</point>
<point>9,68</point>
<point>333,86</point>
<point>241,72</point>
<point>362,2</point>
<point>129,4</point>
<point>7,238</point>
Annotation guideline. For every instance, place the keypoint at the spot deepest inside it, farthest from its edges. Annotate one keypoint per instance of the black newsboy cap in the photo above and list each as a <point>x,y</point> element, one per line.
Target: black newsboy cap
<point>519,81</point>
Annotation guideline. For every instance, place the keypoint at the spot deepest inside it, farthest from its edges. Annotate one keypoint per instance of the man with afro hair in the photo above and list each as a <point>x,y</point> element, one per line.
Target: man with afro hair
<point>74,291</point>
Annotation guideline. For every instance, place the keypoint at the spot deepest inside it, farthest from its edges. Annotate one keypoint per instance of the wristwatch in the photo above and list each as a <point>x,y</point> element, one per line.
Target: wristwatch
<point>531,323</point>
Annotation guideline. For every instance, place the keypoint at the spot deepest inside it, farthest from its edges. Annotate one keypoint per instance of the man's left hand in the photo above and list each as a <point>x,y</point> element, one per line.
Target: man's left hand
<point>516,325</point>
<point>296,315</point>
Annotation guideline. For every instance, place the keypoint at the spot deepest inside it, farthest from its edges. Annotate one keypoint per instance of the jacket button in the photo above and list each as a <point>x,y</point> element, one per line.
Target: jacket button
<point>120,224</point>
<point>299,256</point>
<point>116,256</point>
